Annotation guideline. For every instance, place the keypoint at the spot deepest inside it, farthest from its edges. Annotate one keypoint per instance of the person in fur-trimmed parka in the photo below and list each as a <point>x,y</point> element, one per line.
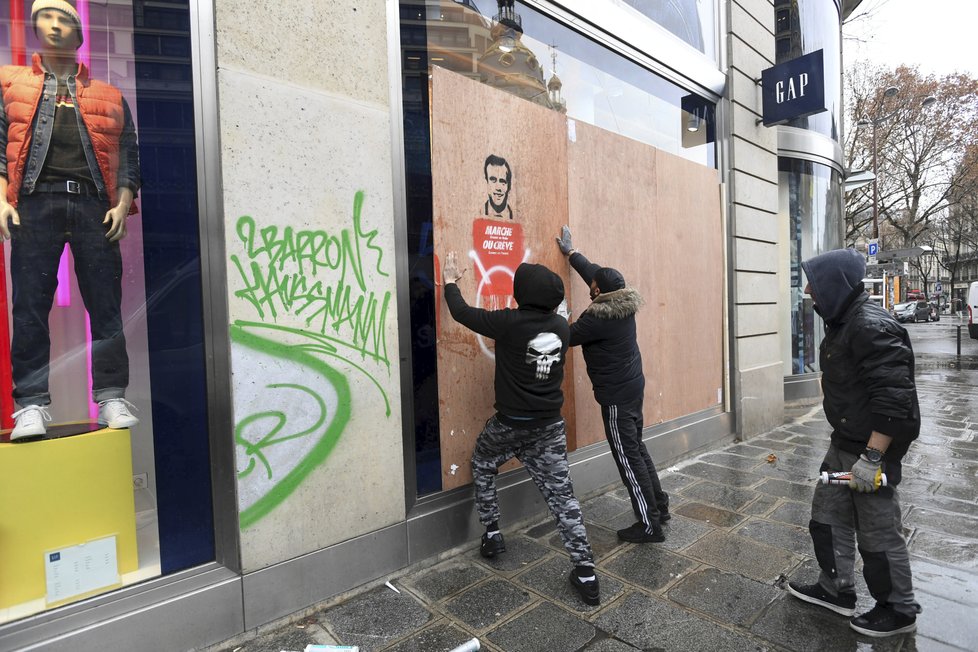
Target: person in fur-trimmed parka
<point>606,333</point>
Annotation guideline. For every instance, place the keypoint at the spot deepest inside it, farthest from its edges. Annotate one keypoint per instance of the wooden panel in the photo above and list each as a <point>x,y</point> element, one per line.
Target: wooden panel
<point>656,218</point>
<point>612,191</point>
<point>470,121</point>
<point>688,301</point>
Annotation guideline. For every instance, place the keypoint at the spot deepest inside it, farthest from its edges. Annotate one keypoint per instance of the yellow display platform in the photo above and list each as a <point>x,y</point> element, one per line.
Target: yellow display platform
<point>58,493</point>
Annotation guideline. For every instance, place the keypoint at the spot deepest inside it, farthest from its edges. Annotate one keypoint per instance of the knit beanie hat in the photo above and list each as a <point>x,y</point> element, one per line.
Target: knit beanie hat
<point>609,279</point>
<point>60,5</point>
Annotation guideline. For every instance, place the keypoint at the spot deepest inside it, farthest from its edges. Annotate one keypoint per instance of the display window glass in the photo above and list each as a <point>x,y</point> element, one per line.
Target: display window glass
<point>694,21</point>
<point>513,125</point>
<point>811,203</point>
<point>104,462</point>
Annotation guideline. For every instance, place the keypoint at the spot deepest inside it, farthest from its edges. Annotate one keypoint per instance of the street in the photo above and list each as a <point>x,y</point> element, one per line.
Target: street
<point>933,342</point>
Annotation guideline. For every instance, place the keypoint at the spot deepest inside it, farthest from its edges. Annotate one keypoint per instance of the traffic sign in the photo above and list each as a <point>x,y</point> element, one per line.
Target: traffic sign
<point>873,249</point>
<point>938,287</point>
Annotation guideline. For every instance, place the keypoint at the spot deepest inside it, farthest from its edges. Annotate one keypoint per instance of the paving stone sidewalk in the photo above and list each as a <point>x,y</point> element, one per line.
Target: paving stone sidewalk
<point>739,529</point>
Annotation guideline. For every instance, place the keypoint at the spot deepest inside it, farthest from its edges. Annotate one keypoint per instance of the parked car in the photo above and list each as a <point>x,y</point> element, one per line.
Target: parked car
<point>925,311</point>
<point>905,311</point>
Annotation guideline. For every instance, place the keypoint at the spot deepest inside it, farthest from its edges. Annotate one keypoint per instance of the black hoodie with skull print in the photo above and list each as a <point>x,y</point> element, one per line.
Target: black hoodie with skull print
<point>531,344</point>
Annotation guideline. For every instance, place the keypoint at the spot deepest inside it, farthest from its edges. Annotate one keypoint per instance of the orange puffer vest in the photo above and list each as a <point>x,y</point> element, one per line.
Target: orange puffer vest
<point>101,110</point>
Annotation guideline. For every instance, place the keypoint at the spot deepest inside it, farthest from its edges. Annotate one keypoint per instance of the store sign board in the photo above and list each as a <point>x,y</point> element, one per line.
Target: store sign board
<point>793,89</point>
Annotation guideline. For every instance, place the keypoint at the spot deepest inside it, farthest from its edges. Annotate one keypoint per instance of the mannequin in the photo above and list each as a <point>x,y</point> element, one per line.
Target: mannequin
<point>69,171</point>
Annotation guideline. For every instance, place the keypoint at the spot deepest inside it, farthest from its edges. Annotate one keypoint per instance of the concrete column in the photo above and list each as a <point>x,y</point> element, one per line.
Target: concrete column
<point>753,197</point>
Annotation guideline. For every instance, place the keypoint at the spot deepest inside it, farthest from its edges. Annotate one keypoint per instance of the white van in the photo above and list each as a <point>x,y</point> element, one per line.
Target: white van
<point>973,310</point>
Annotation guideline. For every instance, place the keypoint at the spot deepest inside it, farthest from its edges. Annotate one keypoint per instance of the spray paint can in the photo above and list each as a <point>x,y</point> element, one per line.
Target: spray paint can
<point>843,477</point>
<point>468,646</point>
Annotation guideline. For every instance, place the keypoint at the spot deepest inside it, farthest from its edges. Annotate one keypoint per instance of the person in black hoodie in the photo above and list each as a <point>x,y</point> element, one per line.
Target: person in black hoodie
<point>531,347</point>
<point>606,332</point>
<point>870,400</point>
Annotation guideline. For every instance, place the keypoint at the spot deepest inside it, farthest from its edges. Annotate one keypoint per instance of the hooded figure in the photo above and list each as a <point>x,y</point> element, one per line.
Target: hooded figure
<point>870,401</point>
<point>531,350</point>
<point>836,278</point>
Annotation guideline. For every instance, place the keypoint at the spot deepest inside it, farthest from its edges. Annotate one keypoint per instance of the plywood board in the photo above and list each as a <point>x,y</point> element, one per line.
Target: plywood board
<point>470,122</point>
<point>612,195</point>
<point>689,278</point>
<point>656,218</point>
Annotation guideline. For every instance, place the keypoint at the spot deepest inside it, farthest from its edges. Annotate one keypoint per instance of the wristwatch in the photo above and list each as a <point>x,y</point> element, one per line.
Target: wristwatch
<point>873,456</point>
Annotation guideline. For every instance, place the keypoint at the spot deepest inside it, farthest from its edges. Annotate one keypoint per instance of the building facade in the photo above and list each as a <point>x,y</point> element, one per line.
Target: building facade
<point>307,406</point>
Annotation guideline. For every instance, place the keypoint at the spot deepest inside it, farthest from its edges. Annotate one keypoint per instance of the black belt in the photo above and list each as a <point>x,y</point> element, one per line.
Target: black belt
<point>69,187</point>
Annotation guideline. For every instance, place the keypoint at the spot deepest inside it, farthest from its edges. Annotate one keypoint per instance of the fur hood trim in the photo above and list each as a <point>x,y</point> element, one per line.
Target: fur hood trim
<point>616,305</point>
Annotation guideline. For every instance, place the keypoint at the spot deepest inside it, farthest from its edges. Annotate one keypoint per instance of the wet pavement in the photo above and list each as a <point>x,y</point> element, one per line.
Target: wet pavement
<point>739,529</point>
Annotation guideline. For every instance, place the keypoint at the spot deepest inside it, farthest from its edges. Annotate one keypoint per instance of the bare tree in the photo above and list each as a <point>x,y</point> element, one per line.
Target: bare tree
<point>922,132</point>
<point>956,235</point>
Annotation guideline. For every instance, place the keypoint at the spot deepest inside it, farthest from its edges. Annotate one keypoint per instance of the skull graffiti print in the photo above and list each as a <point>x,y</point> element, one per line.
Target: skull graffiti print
<point>543,351</point>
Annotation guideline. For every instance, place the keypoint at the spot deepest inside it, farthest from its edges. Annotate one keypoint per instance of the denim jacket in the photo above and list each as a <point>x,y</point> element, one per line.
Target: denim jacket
<point>41,134</point>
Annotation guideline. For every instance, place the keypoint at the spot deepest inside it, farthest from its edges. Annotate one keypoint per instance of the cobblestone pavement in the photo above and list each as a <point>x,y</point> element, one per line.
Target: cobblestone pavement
<point>739,529</point>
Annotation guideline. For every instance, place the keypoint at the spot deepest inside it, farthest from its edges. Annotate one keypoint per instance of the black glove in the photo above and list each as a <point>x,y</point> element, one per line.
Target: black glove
<point>564,241</point>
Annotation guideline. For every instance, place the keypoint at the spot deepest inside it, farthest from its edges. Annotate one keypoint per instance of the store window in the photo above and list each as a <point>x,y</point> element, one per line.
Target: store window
<point>572,131</point>
<point>811,204</point>
<point>691,20</point>
<point>104,456</point>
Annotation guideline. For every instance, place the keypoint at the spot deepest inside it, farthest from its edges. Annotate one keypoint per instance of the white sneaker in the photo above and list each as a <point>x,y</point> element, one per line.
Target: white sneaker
<point>29,422</point>
<point>115,413</point>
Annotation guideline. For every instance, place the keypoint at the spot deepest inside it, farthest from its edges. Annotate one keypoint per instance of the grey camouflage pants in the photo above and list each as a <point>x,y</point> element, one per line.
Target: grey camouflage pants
<point>543,451</point>
<point>840,516</point>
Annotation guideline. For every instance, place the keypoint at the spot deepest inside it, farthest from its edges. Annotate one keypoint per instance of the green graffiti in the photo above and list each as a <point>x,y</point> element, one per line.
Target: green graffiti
<point>282,271</point>
<point>328,435</point>
<point>321,279</point>
<point>254,449</point>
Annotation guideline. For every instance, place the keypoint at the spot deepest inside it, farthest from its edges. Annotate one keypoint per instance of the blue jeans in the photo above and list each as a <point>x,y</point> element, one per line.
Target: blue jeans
<point>47,222</point>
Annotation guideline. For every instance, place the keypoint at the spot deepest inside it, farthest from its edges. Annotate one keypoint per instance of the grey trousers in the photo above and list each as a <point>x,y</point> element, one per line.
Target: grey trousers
<point>543,451</point>
<point>840,517</point>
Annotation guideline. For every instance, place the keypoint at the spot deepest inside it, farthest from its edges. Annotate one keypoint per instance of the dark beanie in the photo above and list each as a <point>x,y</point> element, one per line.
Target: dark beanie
<point>609,279</point>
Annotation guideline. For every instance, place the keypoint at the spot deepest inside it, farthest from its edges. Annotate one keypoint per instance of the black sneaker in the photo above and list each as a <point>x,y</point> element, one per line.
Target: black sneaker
<point>492,546</point>
<point>844,603</point>
<point>664,514</point>
<point>636,533</point>
<point>882,621</point>
<point>590,592</point>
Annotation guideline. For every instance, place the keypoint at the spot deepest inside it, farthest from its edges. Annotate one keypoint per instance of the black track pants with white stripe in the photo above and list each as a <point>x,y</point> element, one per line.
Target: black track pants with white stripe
<point>623,428</point>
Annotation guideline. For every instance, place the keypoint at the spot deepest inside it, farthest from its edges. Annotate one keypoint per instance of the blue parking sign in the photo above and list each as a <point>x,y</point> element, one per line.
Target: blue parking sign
<point>873,248</point>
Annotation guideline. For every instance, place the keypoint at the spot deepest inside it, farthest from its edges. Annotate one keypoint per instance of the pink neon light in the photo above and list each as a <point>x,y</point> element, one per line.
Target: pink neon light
<point>85,51</point>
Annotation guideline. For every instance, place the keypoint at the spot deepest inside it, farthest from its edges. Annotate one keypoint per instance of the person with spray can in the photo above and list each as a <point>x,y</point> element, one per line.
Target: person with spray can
<point>870,400</point>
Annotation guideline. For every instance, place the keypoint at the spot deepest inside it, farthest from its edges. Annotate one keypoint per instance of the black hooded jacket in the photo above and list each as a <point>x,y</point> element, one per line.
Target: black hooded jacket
<point>867,361</point>
<point>606,333</point>
<point>531,343</point>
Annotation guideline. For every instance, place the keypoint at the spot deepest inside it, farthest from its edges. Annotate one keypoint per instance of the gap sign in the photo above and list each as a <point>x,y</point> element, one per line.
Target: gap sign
<point>793,89</point>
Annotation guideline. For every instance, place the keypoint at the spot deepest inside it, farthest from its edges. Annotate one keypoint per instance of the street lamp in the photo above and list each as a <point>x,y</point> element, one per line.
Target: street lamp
<point>888,93</point>
<point>875,122</point>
